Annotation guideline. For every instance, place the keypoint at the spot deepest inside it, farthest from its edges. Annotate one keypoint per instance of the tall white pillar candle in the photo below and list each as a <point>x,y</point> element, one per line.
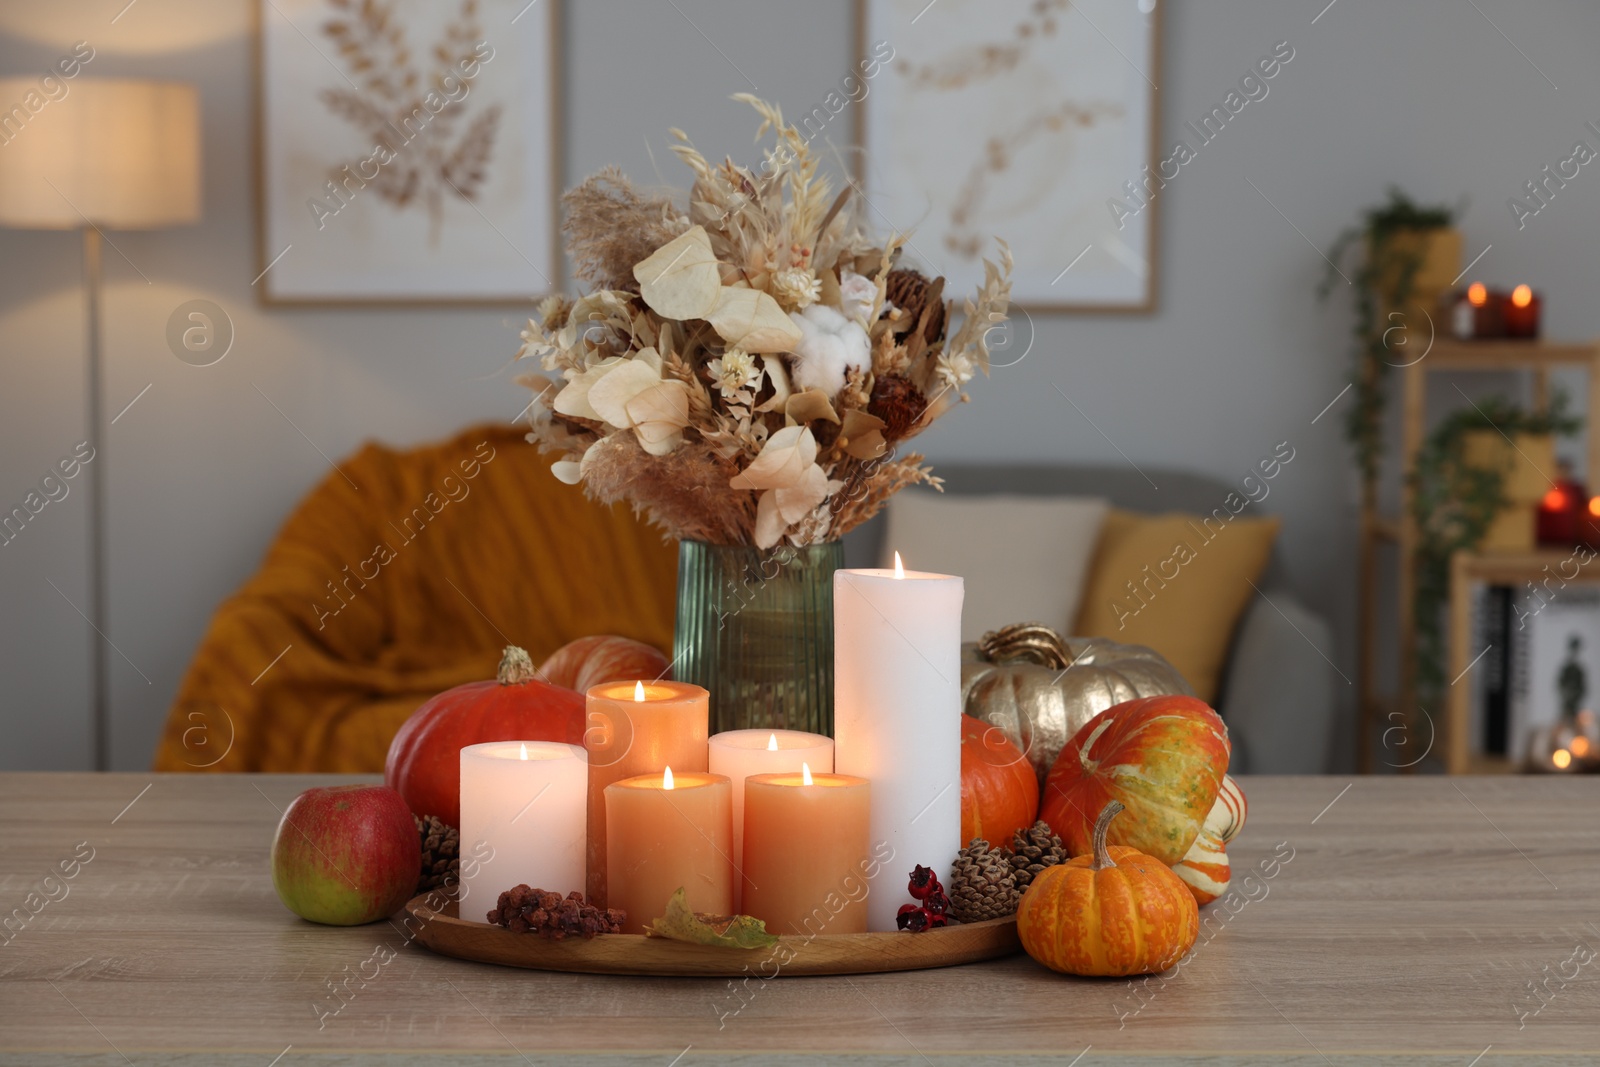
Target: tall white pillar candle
<point>524,809</point>
<point>897,718</point>
<point>741,753</point>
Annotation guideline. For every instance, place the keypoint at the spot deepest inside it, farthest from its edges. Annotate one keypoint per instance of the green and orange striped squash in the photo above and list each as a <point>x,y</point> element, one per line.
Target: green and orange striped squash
<point>1112,913</point>
<point>1162,757</point>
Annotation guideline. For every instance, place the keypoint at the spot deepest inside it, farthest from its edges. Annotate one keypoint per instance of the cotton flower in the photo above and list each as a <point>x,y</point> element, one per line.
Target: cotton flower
<point>857,294</point>
<point>796,288</point>
<point>787,470</point>
<point>735,370</point>
<point>830,345</point>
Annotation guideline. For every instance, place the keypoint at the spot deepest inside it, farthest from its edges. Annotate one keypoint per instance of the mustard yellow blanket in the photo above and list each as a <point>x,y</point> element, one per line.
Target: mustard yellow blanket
<point>399,576</point>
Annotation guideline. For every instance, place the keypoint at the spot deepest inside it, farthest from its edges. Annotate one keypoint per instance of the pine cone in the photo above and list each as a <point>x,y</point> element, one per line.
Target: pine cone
<point>982,884</point>
<point>1032,850</point>
<point>441,854</point>
<point>908,290</point>
<point>898,403</point>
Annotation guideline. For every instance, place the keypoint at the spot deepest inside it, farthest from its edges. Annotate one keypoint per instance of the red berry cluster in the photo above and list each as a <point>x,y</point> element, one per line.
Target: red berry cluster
<point>526,910</point>
<point>935,907</point>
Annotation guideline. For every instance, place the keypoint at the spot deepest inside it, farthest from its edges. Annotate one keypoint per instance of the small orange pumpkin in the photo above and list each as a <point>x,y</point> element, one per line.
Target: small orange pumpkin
<point>999,791</point>
<point>582,664</point>
<point>1113,913</point>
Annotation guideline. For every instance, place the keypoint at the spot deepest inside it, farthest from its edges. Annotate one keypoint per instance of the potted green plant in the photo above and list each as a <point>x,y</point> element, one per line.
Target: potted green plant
<point>1410,254</point>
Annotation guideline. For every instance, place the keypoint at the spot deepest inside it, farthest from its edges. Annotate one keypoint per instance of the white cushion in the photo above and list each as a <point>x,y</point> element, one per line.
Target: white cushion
<point>1023,558</point>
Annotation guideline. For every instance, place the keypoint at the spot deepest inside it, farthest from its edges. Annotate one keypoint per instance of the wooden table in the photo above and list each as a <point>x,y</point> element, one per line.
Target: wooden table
<point>1407,927</point>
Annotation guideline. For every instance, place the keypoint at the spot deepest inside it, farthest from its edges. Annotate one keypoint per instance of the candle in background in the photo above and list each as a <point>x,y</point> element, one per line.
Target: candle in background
<point>526,801</point>
<point>637,728</point>
<point>741,753</point>
<point>897,717</point>
<point>665,832</point>
<point>805,852</point>
<point>1521,313</point>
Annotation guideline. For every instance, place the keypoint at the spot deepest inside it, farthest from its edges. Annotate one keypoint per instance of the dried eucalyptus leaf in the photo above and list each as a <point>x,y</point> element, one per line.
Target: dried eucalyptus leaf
<point>753,320</point>
<point>718,931</point>
<point>681,279</point>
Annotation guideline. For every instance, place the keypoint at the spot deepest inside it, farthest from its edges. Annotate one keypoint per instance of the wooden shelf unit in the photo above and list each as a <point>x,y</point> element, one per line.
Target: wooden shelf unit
<point>1536,357</point>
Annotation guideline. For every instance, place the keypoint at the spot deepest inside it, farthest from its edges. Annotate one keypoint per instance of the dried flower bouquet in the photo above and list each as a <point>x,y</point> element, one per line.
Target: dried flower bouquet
<point>743,373</point>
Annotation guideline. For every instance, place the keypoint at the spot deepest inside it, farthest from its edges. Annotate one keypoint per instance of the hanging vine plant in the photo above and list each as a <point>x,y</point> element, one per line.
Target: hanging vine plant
<point>1453,504</point>
<point>1384,278</point>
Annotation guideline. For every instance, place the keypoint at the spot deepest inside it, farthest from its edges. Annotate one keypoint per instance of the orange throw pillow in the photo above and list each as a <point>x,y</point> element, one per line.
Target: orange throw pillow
<point>1176,583</point>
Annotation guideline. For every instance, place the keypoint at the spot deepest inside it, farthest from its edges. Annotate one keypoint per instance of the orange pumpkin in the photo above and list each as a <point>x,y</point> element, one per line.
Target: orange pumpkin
<point>999,790</point>
<point>590,661</point>
<point>1162,757</point>
<point>1112,913</point>
<point>424,761</point>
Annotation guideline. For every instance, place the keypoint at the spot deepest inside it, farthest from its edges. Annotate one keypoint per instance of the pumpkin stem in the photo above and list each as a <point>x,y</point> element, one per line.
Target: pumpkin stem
<point>1031,641</point>
<point>516,667</point>
<point>1102,855</point>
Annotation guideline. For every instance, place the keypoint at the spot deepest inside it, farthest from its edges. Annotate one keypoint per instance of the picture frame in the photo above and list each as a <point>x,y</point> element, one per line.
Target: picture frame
<point>412,157</point>
<point>944,150</point>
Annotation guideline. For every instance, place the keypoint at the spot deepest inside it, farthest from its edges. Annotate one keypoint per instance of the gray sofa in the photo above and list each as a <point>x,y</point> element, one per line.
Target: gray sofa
<point>1277,692</point>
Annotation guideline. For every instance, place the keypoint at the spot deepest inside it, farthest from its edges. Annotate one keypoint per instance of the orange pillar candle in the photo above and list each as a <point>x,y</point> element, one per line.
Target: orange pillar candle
<point>805,848</point>
<point>637,728</point>
<point>666,832</point>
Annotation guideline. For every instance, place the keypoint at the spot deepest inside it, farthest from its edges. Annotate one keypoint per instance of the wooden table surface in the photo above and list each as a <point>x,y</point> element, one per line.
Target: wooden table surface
<point>1409,920</point>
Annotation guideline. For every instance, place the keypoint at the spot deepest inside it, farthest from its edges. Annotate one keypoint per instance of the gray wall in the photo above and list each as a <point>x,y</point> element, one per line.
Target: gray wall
<point>1239,356</point>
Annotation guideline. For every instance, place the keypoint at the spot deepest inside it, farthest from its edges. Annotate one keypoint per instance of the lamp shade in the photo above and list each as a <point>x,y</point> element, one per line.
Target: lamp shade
<point>117,153</point>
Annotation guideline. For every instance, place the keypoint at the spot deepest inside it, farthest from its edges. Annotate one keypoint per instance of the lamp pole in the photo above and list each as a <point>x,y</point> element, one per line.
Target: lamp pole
<point>99,662</point>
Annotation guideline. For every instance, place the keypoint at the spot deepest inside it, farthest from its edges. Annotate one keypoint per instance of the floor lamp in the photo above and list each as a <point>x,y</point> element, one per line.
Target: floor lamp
<point>109,154</point>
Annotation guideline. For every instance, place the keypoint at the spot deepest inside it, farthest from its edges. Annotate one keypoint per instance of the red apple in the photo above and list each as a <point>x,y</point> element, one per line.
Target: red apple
<point>346,855</point>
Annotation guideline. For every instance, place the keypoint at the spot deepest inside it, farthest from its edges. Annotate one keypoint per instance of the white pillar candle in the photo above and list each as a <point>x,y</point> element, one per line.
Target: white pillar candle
<point>523,820</point>
<point>897,718</point>
<point>741,753</point>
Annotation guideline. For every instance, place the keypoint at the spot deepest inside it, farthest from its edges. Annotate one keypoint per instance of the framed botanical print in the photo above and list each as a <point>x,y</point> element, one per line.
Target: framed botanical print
<point>408,151</point>
<point>1030,120</point>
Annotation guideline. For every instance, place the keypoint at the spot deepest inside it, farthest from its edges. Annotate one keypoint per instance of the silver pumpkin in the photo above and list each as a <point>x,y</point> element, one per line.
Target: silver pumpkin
<point>1038,687</point>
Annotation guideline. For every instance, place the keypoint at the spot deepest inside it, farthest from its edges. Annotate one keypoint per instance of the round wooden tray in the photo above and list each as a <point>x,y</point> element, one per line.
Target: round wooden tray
<point>447,933</point>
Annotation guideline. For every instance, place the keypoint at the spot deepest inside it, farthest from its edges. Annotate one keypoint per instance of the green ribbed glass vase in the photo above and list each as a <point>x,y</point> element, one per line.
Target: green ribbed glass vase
<point>755,628</point>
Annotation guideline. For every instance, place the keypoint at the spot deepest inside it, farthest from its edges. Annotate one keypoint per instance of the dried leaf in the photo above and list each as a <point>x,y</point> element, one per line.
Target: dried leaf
<point>681,280</point>
<point>753,320</point>
<point>808,406</point>
<point>718,931</point>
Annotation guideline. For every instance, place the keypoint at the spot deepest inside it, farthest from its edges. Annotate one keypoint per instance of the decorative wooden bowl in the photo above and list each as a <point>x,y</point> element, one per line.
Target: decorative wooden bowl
<point>445,932</point>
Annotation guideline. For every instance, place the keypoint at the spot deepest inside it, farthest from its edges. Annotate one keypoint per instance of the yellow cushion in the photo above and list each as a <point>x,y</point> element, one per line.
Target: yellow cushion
<point>1177,583</point>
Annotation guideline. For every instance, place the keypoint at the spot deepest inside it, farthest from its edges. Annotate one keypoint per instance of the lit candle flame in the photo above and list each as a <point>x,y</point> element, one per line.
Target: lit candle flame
<point>1562,759</point>
<point>805,774</point>
<point>772,743</point>
<point>1522,296</point>
<point>638,692</point>
<point>1580,746</point>
<point>666,779</point>
<point>899,568</point>
<point>1477,294</point>
<point>524,750</point>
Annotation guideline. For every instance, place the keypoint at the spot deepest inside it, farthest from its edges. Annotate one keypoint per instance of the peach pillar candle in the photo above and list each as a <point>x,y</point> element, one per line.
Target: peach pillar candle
<point>741,753</point>
<point>897,717</point>
<point>637,728</point>
<point>805,842</point>
<point>666,832</point>
<point>525,801</point>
